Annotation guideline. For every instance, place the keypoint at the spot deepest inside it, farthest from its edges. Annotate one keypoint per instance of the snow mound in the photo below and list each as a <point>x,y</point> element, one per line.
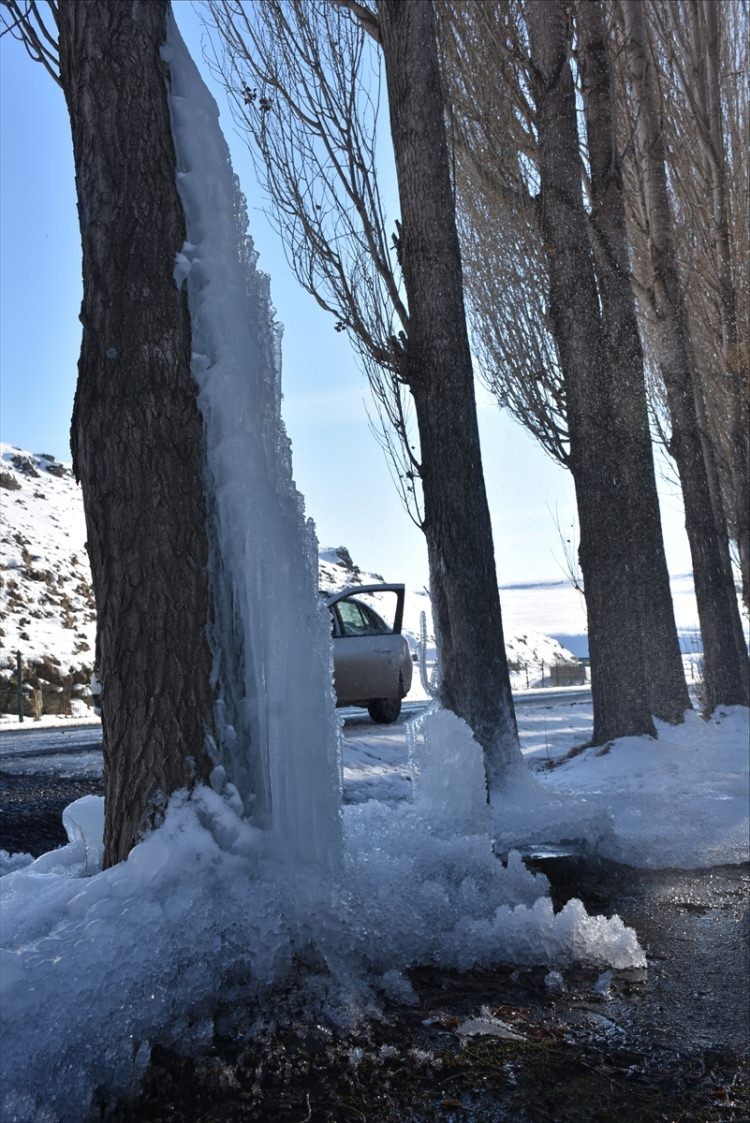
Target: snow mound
<point>678,801</point>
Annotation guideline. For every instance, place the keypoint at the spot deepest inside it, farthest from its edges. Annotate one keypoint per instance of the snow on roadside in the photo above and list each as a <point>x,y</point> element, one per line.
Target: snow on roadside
<point>680,800</point>
<point>85,717</point>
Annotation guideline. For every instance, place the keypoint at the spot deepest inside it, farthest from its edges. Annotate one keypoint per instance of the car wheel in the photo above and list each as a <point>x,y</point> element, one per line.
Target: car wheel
<point>384,710</point>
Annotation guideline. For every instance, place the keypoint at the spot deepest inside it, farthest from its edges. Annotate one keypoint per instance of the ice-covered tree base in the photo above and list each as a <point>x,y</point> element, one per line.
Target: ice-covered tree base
<point>99,968</point>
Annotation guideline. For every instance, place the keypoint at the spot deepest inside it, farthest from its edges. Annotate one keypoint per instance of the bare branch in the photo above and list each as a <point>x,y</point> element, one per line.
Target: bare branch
<point>304,84</point>
<point>698,52</point>
<point>365,15</point>
<point>25,22</point>
<point>485,61</point>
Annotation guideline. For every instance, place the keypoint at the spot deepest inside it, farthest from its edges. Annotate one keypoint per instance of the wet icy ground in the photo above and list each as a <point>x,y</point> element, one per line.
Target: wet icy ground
<point>667,1043</point>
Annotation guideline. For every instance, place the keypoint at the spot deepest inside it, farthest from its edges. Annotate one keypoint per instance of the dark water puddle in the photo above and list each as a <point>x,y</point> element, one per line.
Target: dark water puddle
<point>31,807</point>
<point>693,925</point>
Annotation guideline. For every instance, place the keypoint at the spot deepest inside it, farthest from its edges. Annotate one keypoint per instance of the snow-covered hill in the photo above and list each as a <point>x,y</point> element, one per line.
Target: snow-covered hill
<point>47,605</point>
<point>46,601</point>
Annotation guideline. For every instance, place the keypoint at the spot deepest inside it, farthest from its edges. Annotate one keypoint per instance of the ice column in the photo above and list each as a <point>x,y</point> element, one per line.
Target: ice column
<point>270,636</point>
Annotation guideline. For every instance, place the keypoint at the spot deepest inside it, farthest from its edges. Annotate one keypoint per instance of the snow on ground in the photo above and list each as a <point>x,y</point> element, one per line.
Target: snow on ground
<point>10,723</point>
<point>680,800</point>
<point>557,603</point>
<point>205,907</point>
<point>558,610</point>
<point>137,953</point>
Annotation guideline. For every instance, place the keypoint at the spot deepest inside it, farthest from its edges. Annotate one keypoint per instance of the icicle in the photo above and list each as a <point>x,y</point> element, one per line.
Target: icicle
<point>270,635</point>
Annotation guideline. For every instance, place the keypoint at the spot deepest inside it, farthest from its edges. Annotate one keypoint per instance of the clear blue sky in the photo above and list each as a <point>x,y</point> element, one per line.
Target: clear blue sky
<point>338,465</point>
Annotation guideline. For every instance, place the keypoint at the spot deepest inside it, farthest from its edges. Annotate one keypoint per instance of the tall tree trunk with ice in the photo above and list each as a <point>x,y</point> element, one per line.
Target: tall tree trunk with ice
<point>438,369</point>
<point>213,644</point>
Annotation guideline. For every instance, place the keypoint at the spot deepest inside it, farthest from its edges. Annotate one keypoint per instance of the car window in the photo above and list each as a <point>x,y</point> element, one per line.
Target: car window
<point>376,626</point>
<point>359,620</point>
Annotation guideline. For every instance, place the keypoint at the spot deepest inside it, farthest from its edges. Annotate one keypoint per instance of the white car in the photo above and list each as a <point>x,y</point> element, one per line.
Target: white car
<point>371,660</point>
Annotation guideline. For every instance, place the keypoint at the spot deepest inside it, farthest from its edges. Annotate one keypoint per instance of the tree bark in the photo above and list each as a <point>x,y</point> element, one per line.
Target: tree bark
<point>619,686</point>
<point>136,434</point>
<point>724,650</point>
<point>630,433</point>
<point>709,54</point>
<point>463,583</point>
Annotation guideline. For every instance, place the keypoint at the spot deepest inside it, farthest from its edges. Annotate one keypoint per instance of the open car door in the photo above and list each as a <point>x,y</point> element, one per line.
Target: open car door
<point>369,653</point>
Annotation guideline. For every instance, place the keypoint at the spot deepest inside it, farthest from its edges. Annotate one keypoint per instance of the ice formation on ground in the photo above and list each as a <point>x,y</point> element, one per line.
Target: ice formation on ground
<point>203,911</point>
<point>202,907</point>
<point>10,862</point>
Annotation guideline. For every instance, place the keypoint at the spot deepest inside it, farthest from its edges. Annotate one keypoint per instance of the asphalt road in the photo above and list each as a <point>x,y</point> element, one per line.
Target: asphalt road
<point>42,770</point>
<point>27,743</point>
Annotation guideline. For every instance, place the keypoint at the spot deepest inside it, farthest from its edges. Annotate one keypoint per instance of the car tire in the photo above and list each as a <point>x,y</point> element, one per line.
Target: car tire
<point>384,710</point>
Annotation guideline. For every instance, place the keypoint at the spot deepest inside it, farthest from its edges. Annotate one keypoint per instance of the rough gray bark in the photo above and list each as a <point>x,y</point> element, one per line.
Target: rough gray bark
<point>724,650</point>
<point>629,425</point>
<point>619,686</point>
<point>136,431</point>
<point>708,52</point>
<point>438,369</point>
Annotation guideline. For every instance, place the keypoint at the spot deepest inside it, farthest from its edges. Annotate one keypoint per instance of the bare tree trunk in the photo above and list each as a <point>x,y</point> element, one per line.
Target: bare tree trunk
<point>463,583</point>
<point>725,654</point>
<point>630,434</point>
<point>740,420</point>
<point>136,433</point>
<point>618,675</point>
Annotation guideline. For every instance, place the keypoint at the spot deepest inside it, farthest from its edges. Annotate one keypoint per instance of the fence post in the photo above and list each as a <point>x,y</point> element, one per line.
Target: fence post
<point>19,685</point>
